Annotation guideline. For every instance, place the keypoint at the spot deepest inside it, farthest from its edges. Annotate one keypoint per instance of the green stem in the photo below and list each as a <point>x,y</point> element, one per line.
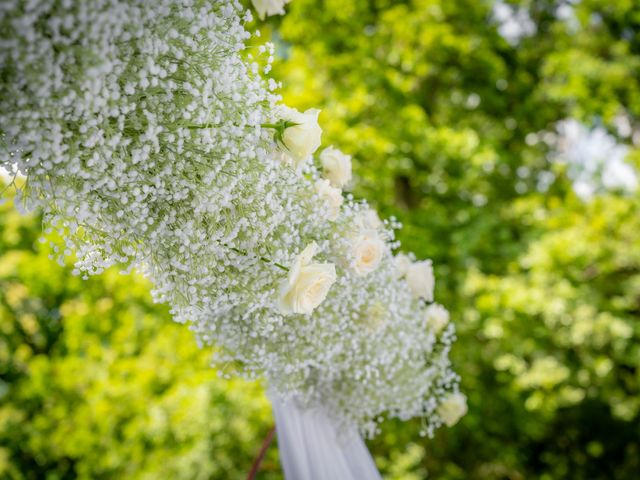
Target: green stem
<point>264,259</point>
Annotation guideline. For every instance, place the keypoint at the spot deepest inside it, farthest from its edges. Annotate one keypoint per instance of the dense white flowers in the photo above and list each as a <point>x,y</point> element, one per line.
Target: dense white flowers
<point>453,408</point>
<point>336,166</point>
<point>269,7</point>
<point>307,284</point>
<point>143,132</point>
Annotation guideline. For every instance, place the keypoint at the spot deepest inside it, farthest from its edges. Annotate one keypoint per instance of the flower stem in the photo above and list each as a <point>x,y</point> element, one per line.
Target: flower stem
<point>264,259</point>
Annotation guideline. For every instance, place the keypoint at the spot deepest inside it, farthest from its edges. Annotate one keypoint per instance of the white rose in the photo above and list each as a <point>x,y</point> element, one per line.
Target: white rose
<point>307,285</point>
<point>369,220</point>
<point>375,316</point>
<point>336,166</point>
<point>402,263</point>
<point>420,279</point>
<point>269,7</point>
<point>437,317</point>
<point>302,139</point>
<point>331,196</point>
<point>452,409</point>
<point>366,254</point>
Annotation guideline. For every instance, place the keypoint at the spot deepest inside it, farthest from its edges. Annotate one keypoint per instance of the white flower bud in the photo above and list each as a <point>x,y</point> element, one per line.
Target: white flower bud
<point>375,316</point>
<point>437,317</point>
<point>332,197</point>
<point>402,263</point>
<point>420,279</point>
<point>336,166</point>
<point>303,139</point>
<point>368,220</point>
<point>452,409</point>
<point>269,7</point>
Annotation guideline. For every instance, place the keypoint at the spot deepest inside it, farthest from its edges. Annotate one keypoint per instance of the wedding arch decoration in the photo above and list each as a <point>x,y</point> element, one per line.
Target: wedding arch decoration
<point>151,138</point>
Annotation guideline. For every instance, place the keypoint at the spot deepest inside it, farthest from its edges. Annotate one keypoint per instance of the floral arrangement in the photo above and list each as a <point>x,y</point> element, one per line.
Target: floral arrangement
<point>150,139</point>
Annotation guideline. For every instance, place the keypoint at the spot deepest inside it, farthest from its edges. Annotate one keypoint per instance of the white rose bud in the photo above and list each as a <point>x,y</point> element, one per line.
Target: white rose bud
<point>402,263</point>
<point>302,139</point>
<point>452,409</point>
<point>366,254</point>
<point>336,166</point>
<point>369,220</point>
<point>269,7</point>
<point>331,196</point>
<point>420,279</point>
<point>375,316</point>
<point>307,284</point>
<point>437,317</point>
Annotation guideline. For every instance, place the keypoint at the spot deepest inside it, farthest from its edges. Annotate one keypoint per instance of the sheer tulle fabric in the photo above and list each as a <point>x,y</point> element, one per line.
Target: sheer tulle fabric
<point>312,448</point>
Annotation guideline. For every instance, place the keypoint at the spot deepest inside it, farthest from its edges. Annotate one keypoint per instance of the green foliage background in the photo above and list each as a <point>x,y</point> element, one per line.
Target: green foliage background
<point>437,108</point>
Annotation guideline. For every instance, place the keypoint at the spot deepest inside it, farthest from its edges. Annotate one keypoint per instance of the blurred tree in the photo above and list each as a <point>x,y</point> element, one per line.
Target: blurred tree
<point>561,341</point>
<point>451,109</point>
<point>97,382</point>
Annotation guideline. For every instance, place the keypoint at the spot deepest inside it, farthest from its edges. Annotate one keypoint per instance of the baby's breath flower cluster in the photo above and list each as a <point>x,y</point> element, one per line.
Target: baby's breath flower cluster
<point>150,140</point>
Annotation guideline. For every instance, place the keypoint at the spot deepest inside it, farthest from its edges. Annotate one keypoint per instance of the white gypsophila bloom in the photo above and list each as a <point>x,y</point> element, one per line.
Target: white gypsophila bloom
<point>453,408</point>
<point>402,264</point>
<point>303,138</point>
<point>331,197</point>
<point>140,128</point>
<point>307,284</point>
<point>366,253</point>
<point>421,280</point>
<point>269,7</point>
<point>437,317</point>
<point>336,166</point>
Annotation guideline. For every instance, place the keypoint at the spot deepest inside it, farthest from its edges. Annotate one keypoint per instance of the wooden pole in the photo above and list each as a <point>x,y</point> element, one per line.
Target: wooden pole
<point>263,450</point>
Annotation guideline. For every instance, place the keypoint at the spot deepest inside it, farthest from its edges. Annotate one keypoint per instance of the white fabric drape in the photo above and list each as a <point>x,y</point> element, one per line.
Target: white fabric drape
<point>311,448</point>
